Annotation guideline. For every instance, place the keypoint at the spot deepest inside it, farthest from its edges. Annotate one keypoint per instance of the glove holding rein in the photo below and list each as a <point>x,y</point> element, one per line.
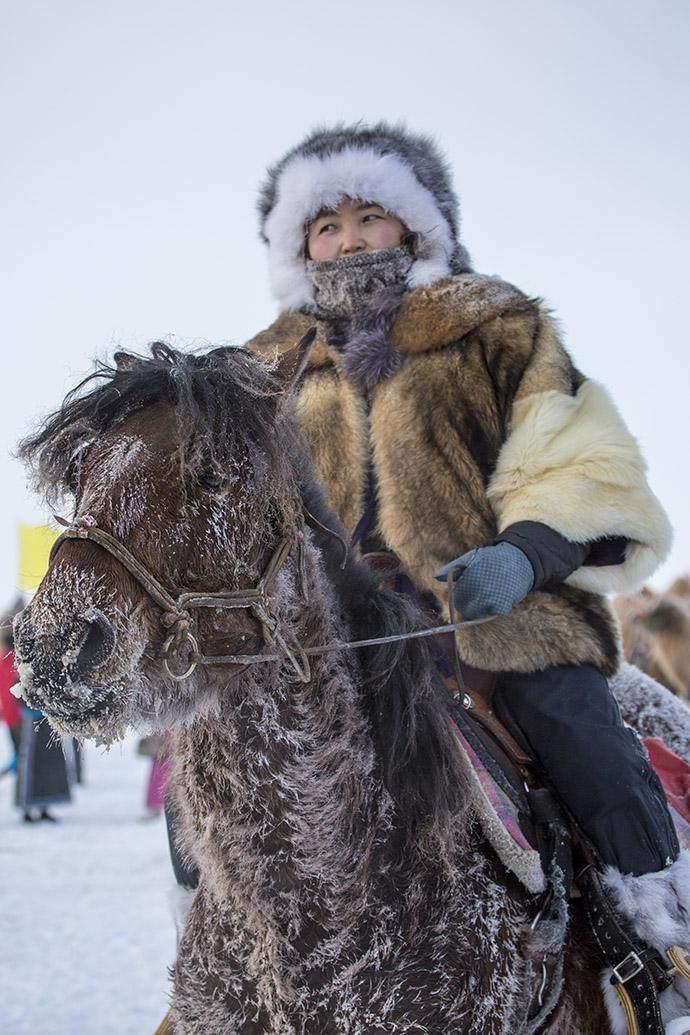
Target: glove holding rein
<point>488,581</point>
<point>491,580</point>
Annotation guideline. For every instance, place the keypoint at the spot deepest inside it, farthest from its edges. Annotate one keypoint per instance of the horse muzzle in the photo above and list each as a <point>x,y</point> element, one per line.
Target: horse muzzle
<point>66,658</point>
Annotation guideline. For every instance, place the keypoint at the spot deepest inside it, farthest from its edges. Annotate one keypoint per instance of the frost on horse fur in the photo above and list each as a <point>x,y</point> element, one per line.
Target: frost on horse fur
<point>345,886</point>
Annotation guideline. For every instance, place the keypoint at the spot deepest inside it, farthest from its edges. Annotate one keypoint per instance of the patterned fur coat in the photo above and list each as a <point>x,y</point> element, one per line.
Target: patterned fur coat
<point>486,422</point>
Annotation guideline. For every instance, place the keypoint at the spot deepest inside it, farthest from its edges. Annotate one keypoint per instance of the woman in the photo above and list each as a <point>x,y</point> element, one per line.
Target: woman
<point>450,426</point>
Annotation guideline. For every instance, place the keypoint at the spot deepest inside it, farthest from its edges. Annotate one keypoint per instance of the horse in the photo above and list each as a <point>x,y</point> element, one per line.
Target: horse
<point>345,885</point>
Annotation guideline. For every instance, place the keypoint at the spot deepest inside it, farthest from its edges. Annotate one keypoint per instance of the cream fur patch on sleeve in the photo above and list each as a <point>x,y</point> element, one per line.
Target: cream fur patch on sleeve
<point>571,463</point>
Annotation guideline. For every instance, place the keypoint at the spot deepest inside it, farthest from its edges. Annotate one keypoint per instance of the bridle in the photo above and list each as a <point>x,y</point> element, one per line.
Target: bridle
<point>176,610</point>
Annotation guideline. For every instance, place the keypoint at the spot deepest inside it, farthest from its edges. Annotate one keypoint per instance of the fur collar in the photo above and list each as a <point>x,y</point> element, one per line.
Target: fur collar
<point>429,319</point>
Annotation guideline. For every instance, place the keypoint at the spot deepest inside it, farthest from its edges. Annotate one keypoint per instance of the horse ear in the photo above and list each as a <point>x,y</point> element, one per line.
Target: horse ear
<point>124,361</point>
<point>292,364</point>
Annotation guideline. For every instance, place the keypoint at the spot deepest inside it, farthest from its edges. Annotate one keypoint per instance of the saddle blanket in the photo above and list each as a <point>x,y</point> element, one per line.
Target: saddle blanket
<point>498,815</point>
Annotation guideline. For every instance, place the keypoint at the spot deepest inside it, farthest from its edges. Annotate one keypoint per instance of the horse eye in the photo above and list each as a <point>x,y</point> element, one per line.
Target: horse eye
<point>210,481</point>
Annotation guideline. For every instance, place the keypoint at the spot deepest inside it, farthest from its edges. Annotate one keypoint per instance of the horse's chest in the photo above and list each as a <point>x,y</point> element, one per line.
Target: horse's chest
<point>423,962</point>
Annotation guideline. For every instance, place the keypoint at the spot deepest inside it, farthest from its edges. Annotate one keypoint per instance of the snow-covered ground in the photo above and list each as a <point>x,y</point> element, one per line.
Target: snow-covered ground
<point>86,926</point>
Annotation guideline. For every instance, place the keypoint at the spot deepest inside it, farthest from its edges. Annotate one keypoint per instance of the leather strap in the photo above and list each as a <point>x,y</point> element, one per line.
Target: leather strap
<point>479,709</point>
<point>639,973</point>
<point>474,692</point>
<point>553,834</point>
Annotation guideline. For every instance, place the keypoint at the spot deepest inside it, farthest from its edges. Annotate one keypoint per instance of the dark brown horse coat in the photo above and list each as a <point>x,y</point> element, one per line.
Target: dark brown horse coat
<point>487,422</point>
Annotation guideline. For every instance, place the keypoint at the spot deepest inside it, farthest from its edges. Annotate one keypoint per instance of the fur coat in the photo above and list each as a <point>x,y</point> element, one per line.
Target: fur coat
<point>486,422</point>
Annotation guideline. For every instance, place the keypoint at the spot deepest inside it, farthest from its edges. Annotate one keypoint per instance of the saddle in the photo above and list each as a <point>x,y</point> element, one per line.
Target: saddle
<point>639,972</point>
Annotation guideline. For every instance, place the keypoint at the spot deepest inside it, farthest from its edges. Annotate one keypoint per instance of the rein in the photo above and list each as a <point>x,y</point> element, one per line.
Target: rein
<point>176,609</point>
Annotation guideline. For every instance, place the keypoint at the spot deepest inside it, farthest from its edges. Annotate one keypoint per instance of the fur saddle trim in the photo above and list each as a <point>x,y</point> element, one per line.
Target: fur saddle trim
<point>656,904</point>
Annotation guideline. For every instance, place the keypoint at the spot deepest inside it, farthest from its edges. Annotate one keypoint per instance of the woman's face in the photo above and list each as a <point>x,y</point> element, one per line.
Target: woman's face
<point>355,226</point>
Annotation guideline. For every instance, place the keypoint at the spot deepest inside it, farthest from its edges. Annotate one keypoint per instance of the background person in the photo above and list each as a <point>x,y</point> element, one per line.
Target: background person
<point>10,709</point>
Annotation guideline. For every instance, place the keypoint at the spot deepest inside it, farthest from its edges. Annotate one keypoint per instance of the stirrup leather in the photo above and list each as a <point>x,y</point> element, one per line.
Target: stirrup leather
<point>638,973</point>
<point>680,958</point>
<point>628,1010</point>
<point>633,966</point>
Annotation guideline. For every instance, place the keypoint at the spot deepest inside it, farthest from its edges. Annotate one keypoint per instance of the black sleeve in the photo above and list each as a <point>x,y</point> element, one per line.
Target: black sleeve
<point>554,557</point>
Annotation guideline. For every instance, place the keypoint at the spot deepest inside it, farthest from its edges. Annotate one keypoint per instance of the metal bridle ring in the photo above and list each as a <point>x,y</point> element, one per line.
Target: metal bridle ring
<point>179,677</point>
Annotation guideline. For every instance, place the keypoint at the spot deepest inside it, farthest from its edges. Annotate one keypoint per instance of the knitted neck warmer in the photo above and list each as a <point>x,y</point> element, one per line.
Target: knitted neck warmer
<point>358,297</point>
<point>343,285</point>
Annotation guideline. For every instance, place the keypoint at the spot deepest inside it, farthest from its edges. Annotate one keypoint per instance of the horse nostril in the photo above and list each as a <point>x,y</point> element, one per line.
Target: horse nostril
<point>95,645</point>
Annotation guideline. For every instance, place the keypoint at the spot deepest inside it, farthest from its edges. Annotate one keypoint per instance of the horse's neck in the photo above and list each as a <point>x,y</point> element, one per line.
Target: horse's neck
<point>284,777</point>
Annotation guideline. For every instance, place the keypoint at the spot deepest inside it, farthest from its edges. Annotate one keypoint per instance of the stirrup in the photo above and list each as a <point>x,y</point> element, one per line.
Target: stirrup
<point>680,958</point>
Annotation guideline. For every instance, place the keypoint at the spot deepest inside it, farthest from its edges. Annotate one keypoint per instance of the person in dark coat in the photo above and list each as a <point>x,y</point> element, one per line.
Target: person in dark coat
<point>42,769</point>
<point>42,775</point>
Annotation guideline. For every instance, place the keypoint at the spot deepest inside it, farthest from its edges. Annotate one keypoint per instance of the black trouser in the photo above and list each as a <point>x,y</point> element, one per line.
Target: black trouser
<point>596,764</point>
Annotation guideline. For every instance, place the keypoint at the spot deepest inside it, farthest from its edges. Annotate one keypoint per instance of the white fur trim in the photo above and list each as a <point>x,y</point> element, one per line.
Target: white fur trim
<point>656,904</point>
<point>571,463</point>
<point>309,183</point>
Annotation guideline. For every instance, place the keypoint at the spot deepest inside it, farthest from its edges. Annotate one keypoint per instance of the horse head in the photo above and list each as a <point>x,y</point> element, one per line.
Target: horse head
<point>187,462</point>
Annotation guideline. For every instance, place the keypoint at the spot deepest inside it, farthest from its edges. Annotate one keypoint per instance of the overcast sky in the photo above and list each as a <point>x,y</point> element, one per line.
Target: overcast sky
<point>135,133</point>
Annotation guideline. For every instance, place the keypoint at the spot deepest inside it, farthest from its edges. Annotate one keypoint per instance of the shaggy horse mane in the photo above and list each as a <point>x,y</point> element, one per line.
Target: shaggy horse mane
<point>403,695</point>
<point>225,400</point>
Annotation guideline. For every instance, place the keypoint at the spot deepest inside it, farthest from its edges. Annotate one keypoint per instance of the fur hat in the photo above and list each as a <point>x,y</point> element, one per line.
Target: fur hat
<point>387,165</point>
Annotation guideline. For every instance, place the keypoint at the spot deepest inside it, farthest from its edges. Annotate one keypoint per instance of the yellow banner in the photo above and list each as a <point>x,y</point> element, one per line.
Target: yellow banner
<point>35,542</point>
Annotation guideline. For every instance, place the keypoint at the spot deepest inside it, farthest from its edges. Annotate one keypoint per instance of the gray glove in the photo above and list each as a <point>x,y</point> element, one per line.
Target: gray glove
<point>494,580</point>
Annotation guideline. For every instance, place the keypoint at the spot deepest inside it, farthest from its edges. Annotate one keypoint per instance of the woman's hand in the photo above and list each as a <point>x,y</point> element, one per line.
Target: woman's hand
<point>488,581</point>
